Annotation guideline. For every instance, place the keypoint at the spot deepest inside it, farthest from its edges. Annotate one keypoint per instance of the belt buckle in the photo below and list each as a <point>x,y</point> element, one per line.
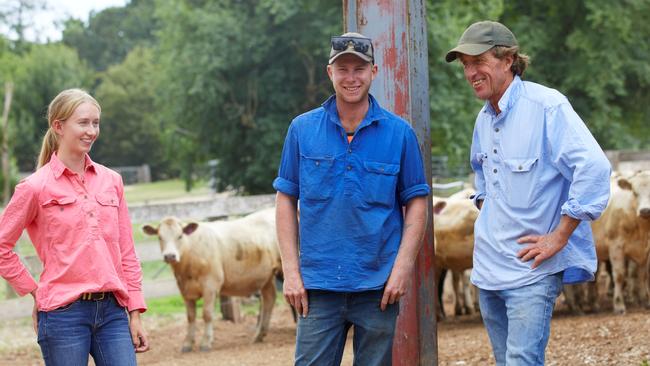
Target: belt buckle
<point>99,296</point>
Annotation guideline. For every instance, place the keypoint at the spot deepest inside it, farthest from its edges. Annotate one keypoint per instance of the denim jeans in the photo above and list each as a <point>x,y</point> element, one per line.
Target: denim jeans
<point>518,321</point>
<point>67,335</point>
<point>321,335</point>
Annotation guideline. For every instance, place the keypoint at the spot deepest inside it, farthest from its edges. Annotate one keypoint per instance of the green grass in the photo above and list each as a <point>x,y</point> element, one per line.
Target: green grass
<point>174,304</point>
<point>162,190</point>
<point>156,270</point>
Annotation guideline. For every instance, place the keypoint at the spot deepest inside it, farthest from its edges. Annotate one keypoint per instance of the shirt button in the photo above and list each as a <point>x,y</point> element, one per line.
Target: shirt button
<point>350,150</point>
<point>494,171</point>
<point>90,214</point>
<point>317,163</point>
<point>85,197</point>
<point>520,167</point>
<point>496,129</point>
<point>495,151</point>
<point>349,167</point>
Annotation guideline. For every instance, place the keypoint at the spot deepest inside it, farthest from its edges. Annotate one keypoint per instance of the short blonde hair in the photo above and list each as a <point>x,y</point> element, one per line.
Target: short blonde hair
<point>61,108</point>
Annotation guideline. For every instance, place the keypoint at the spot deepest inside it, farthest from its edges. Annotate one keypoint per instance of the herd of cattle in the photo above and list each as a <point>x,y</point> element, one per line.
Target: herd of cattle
<point>240,257</point>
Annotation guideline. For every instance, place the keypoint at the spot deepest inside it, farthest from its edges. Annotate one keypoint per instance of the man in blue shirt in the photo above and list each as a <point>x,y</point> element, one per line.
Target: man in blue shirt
<point>352,167</point>
<point>540,179</point>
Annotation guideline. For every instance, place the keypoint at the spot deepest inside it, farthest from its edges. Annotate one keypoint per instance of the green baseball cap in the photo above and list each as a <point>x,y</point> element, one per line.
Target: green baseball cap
<point>480,37</point>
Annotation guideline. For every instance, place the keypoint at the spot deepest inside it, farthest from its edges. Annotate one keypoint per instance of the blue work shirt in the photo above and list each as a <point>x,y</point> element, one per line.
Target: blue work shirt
<point>350,194</point>
<point>534,161</point>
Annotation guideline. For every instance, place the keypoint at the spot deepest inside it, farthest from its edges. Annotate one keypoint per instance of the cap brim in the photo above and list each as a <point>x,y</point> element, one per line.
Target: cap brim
<point>472,49</point>
<point>353,52</point>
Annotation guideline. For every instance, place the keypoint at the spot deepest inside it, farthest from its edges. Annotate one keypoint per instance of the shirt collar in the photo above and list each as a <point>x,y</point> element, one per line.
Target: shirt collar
<point>375,112</point>
<point>508,98</point>
<point>58,168</point>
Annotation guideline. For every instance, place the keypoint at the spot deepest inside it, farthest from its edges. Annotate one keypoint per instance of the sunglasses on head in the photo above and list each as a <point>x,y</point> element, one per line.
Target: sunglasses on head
<point>362,45</point>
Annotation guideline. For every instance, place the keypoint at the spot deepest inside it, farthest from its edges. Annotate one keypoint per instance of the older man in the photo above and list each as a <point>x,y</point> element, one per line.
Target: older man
<point>540,178</point>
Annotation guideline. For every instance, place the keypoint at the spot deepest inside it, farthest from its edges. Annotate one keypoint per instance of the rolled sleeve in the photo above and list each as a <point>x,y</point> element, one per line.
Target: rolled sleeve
<point>412,182</point>
<point>289,170</point>
<point>285,186</point>
<point>415,191</point>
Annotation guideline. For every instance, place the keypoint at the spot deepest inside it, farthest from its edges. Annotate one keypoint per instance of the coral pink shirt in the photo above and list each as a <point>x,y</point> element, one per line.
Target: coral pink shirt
<point>81,230</point>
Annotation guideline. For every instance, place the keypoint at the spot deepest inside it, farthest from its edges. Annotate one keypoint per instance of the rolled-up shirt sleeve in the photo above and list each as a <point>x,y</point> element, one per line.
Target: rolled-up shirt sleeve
<point>412,181</point>
<point>289,170</point>
<point>579,159</point>
<point>18,214</point>
<point>476,162</point>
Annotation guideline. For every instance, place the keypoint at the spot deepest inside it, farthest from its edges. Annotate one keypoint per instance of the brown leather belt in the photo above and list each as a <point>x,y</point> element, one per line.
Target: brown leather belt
<point>95,296</point>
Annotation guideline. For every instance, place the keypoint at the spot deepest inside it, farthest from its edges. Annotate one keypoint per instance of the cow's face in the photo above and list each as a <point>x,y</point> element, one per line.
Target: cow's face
<point>639,184</point>
<point>172,235</point>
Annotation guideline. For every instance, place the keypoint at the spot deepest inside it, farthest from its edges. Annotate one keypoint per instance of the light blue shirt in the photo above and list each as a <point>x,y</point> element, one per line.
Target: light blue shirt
<point>534,162</point>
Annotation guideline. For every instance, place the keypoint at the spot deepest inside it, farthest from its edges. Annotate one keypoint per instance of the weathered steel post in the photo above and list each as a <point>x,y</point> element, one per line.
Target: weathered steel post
<point>398,31</point>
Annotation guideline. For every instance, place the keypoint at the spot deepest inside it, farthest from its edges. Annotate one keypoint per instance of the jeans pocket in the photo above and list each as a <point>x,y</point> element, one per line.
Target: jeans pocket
<point>63,309</point>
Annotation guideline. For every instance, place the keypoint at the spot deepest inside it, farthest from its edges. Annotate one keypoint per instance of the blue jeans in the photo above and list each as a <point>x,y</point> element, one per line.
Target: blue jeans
<point>67,335</point>
<point>518,321</point>
<point>321,335</point>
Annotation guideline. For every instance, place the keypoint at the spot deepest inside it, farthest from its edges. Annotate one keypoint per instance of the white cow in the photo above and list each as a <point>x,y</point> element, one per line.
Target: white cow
<point>454,219</point>
<point>622,233</point>
<point>231,258</point>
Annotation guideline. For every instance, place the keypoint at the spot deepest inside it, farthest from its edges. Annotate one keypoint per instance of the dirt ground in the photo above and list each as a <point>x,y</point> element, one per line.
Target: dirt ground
<point>600,339</point>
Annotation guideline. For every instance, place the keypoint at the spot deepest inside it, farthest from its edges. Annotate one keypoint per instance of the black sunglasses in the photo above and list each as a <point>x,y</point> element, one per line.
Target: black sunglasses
<point>362,45</point>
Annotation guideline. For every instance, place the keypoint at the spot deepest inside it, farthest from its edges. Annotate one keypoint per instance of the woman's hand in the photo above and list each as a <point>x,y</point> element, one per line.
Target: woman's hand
<point>138,334</point>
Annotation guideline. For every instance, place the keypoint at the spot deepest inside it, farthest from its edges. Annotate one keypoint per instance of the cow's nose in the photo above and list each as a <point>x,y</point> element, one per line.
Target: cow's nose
<point>644,212</point>
<point>169,258</point>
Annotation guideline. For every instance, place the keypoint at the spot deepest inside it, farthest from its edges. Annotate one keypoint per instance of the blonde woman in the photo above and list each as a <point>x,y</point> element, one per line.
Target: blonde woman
<point>76,216</point>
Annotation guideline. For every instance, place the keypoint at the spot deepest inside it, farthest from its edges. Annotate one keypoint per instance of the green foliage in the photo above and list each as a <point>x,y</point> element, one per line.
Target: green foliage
<point>238,72</point>
<point>112,33</point>
<point>131,132</point>
<point>40,75</point>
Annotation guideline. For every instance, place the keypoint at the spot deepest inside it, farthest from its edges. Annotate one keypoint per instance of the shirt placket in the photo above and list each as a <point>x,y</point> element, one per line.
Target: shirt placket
<point>494,155</point>
<point>348,174</point>
<point>88,207</point>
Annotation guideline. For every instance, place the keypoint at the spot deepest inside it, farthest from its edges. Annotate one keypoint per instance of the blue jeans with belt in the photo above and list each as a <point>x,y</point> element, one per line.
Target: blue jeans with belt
<point>99,328</point>
<point>321,335</point>
<point>518,321</point>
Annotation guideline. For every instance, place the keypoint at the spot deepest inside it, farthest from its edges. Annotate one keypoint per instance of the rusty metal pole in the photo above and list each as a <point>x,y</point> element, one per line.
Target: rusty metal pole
<point>399,33</point>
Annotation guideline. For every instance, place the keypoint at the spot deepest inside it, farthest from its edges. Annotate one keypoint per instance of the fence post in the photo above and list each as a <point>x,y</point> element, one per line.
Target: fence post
<point>399,34</point>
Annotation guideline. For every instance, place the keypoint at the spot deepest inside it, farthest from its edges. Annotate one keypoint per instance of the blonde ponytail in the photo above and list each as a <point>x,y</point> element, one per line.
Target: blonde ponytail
<point>50,145</point>
<point>60,109</point>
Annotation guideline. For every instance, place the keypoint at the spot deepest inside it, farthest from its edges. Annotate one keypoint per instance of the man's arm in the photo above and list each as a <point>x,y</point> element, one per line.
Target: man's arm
<point>287,230</point>
<point>415,221</point>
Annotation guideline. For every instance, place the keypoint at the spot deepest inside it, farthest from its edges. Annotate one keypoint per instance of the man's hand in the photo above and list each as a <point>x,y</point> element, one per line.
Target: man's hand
<point>138,334</point>
<point>543,247</point>
<point>396,285</point>
<point>295,293</point>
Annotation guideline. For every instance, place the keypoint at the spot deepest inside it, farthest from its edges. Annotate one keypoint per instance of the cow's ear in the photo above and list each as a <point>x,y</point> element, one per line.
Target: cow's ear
<point>190,228</point>
<point>150,230</point>
<point>624,183</point>
<point>438,207</point>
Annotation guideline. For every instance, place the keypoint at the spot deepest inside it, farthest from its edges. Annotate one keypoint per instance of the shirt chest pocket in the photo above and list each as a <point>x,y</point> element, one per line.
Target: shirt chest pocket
<point>521,175</point>
<point>317,178</point>
<point>107,205</point>
<point>380,183</point>
<point>62,215</point>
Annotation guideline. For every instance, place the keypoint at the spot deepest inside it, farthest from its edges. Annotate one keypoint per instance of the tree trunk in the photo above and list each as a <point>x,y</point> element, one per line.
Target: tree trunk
<point>6,171</point>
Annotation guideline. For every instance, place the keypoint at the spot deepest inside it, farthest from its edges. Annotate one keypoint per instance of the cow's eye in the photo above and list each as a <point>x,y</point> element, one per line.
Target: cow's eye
<point>180,237</point>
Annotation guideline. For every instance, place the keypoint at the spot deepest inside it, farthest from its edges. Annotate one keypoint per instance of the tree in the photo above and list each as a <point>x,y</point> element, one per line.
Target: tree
<point>131,132</point>
<point>43,72</point>
<point>237,73</point>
